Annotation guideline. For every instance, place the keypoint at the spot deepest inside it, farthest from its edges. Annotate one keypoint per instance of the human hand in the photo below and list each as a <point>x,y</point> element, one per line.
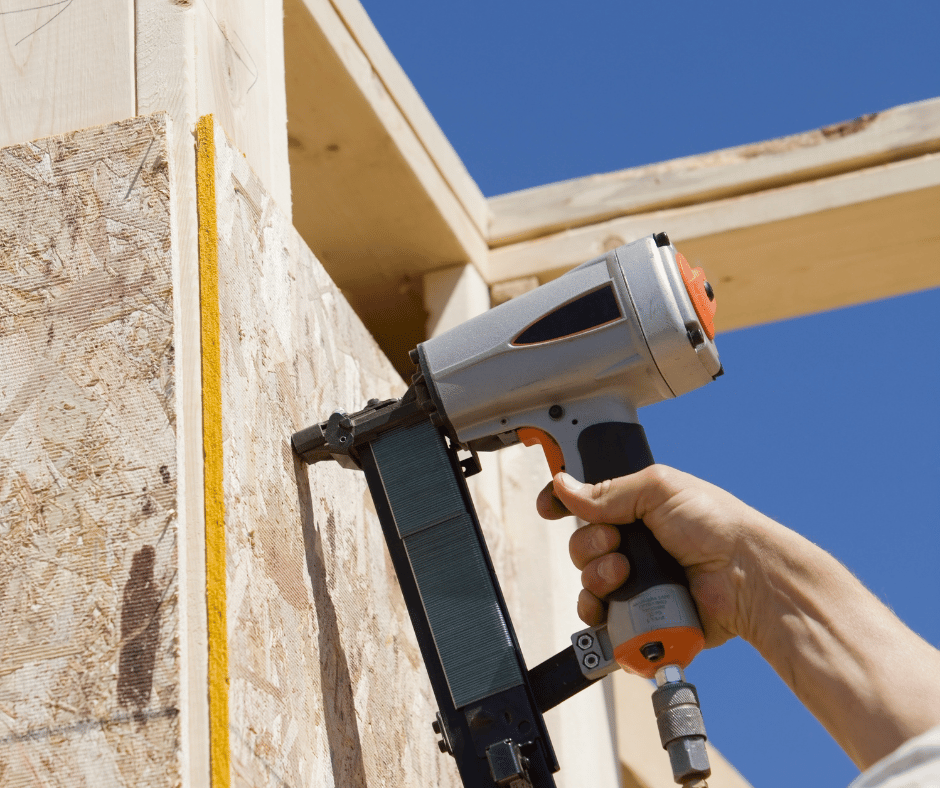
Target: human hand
<point>830,639</point>
<point>705,528</point>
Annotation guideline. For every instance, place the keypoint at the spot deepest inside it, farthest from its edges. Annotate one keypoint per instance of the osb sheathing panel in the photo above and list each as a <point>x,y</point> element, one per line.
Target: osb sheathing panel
<point>327,687</point>
<point>88,615</point>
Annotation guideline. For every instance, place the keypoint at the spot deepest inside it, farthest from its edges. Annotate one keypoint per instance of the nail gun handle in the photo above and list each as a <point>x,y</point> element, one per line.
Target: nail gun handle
<point>651,618</point>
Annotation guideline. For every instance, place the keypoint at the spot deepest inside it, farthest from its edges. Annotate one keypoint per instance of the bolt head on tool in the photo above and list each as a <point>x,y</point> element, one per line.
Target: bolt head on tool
<point>669,674</point>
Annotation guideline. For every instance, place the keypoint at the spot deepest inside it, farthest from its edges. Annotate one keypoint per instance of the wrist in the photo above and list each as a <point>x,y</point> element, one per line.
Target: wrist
<point>767,552</point>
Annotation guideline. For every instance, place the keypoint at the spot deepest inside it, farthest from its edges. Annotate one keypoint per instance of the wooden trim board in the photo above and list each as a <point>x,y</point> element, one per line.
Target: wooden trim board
<point>165,73</point>
<point>903,132</point>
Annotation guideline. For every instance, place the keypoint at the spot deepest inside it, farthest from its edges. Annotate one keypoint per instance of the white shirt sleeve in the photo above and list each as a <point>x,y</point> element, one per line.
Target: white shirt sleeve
<point>915,764</point>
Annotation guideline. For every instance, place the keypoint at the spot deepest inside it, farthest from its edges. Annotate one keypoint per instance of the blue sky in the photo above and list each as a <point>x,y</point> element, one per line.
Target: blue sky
<point>829,423</point>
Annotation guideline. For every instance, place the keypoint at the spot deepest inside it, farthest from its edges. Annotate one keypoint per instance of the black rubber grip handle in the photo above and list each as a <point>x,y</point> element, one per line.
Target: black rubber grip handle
<point>609,450</point>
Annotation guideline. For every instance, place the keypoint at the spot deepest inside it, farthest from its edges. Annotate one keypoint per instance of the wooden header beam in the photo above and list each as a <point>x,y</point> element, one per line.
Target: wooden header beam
<point>377,186</point>
<point>900,133</point>
<point>379,194</point>
<point>784,252</point>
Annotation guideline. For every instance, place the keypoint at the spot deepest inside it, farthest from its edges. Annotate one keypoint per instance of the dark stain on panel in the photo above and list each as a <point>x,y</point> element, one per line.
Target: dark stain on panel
<point>140,632</point>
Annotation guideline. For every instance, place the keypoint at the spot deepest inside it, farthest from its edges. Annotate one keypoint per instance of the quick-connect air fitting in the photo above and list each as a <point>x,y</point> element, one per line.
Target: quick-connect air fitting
<point>681,728</point>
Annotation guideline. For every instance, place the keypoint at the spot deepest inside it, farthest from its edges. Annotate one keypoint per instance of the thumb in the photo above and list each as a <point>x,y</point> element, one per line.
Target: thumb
<point>614,501</point>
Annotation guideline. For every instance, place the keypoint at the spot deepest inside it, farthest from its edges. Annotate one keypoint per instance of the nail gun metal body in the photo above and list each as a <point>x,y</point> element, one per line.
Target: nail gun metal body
<point>565,366</point>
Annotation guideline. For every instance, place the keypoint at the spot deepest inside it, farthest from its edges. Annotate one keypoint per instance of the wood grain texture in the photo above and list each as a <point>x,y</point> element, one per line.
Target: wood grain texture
<point>165,70</point>
<point>240,80</point>
<point>64,65</point>
<point>327,686</point>
<point>89,657</point>
<point>782,253</point>
<point>899,133</point>
<point>198,57</point>
<point>375,203</point>
<point>415,111</point>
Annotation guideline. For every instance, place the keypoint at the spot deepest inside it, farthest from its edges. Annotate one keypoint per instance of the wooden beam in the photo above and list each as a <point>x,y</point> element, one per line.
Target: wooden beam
<point>903,132</point>
<point>415,112</point>
<point>240,81</point>
<point>379,194</point>
<point>372,200</point>
<point>785,252</point>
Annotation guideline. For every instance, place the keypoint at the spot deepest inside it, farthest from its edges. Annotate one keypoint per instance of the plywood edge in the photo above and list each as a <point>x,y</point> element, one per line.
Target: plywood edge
<point>901,132</point>
<point>414,110</point>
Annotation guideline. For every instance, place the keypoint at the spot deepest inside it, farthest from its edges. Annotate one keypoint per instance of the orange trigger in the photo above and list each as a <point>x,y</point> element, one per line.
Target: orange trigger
<point>532,435</point>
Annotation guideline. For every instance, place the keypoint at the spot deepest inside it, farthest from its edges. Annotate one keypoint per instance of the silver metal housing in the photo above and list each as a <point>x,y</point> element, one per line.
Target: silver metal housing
<point>491,386</point>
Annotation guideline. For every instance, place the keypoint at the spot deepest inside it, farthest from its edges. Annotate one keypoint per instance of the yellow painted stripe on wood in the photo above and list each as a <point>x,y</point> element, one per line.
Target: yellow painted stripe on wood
<point>212,452</point>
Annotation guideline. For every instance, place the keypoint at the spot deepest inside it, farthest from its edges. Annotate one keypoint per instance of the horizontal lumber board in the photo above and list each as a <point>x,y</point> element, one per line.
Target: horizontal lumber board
<point>782,253</point>
<point>370,198</point>
<point>902,132</point>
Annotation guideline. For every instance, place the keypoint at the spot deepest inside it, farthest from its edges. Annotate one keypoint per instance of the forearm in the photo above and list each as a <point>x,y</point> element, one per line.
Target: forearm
<point>864,675</point>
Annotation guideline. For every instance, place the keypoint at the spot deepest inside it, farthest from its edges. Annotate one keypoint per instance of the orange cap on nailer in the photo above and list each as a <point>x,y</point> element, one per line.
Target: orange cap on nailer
<point>680,645</point>
<point>695,284</point>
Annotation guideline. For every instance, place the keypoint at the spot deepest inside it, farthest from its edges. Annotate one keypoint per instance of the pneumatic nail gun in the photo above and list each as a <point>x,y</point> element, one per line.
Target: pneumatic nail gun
<point>565,366</point>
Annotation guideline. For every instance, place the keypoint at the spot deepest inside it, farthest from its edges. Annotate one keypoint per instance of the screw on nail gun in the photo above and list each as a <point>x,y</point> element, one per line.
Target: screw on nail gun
<point>565,366</point>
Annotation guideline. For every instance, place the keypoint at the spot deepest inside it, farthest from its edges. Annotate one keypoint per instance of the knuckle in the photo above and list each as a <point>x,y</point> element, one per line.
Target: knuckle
<point>661,477</point>
<point>599,491</point>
